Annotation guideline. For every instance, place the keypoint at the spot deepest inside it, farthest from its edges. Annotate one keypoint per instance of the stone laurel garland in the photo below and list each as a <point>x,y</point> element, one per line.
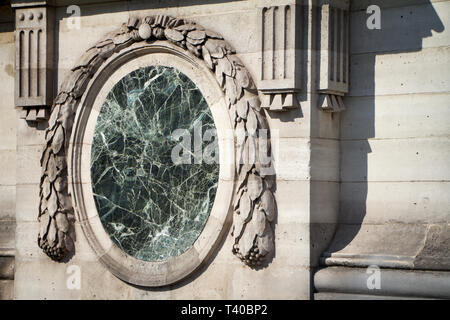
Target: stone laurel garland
<point>254,205</point>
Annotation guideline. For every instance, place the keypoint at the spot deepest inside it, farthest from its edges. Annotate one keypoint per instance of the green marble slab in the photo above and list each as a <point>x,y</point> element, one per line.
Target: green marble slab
<point>152,208</point>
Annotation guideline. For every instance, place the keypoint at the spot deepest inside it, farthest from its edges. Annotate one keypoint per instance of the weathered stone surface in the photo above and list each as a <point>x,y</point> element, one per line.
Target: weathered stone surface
<point>402,283</point>
<point>396,116</point>
<point>405,81</point>
<point>420,159</point>
<point>435,254</point>
<point>6,289</point>
<point>7,230</point>
<point>408,22</point>
<point>421,202</point>
<point>6,268</point>
<point>395,112</point>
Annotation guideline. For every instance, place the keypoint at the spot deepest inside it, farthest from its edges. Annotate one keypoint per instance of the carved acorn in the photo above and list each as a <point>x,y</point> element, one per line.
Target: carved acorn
<point>145,31</point>
<point>158,33</point>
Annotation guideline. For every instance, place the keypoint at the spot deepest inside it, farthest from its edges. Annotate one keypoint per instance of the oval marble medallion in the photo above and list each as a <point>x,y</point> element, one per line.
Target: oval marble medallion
<point>152,207</point>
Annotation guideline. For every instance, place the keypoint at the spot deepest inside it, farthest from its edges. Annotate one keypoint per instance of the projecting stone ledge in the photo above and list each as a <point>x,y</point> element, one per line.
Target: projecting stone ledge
<point>390,245</point>
<point>351,283</point>
<point>35,114</point>
<point>279,101</point>
<point>332,103</point>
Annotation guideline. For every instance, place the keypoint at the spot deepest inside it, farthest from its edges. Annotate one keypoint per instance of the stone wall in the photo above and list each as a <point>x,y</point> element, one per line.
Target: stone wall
<point>394,135</point>
<point>379,169</point>
<point>7,154</point>
<point>394,191</point>
<point>223,276</point>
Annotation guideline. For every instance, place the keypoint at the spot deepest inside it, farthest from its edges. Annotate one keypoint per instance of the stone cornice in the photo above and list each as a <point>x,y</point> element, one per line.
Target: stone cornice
<point>31,3</point>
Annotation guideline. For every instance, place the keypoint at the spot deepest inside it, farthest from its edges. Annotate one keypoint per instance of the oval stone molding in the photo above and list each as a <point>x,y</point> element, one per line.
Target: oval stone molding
<point>123,265</point>
<point>205,57</point>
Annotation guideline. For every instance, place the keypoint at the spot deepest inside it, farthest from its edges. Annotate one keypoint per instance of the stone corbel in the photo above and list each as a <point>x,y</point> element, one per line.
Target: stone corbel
<point>331,103</point>
<point>334,56</point>
<point>279,24</point>
<point>34,59</point>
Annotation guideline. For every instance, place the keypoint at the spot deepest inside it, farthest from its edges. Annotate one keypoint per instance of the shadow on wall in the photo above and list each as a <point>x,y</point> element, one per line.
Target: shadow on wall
<point>404,24</point>
<point>6,17</point>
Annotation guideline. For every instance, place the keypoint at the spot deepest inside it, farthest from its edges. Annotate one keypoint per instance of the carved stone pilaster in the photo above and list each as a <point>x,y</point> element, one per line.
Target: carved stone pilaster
<point>334,46</point>
<point>280,25</point>
<point>34,59</point>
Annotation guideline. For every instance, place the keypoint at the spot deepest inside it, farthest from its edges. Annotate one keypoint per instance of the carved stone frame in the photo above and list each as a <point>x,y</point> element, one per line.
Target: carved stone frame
<point>124,266</point>
<point>254,205</point>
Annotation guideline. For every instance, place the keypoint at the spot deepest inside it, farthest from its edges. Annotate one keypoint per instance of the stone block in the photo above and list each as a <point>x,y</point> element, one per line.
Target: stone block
<point>6,289</point>
<point>410,26</point>
<point>415,72</point>
<point>30,135</point>
<point>43,279</point>
<point>362,5</point>
<point>393,283</point>
<point>424,159</point>
<point>384,245</point>
<point>6,268</point>
<point>28,205</point>
<point>292,246</point>
<point>280,283</point>
<point>7,122</point>
<point>7,202</point>
<point>292,209</point>
<point>324,160</point>
<point>8,167</point>
<point>393,202</point>
<point>28,164</point>
<point>26,241</point>
<point>292,158</point>
<point>397,116</point>
<point>7,228</point>
<point>324,201</point>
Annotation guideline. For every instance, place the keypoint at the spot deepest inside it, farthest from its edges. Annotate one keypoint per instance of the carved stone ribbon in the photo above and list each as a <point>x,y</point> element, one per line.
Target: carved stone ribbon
<point>254,204</point>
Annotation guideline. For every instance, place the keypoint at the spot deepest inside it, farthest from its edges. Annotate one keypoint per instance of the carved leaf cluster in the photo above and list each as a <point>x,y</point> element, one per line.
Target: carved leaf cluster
<point>254,205</point>
<point>56,234</point>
